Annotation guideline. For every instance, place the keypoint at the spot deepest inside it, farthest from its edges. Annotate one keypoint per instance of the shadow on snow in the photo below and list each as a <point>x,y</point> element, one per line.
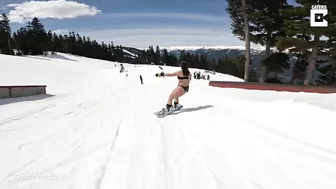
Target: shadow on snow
<point>184,110</point>
<point>24,99</point>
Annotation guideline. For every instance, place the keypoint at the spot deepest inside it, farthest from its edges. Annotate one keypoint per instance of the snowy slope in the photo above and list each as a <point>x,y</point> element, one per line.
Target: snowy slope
<point>96,129</point>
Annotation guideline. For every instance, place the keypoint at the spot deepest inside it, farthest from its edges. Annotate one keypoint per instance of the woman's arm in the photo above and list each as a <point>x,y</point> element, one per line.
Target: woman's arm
<point>172,74</point>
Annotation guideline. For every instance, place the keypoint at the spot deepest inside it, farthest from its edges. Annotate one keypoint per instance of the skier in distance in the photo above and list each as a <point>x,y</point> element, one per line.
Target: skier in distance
<point>141,80</point>
<point>184,77</point>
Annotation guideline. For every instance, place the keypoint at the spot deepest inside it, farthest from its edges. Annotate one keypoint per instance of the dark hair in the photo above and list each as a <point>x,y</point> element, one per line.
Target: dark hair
<point>184,67</point>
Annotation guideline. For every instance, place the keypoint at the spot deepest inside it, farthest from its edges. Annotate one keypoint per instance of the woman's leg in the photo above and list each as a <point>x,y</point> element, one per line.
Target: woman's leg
<point>176,100</point>
<point>178,92</point>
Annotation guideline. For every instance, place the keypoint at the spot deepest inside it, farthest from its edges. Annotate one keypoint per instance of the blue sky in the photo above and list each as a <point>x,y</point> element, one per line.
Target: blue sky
<point>137,23</point>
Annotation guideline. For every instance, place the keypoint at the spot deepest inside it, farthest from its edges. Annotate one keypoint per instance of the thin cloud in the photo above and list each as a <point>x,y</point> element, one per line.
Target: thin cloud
<point>61,31</point>
<point>143,37</point>
<point>187,16</point>
<point>155,32</point>
<point>12,5</point>
<point>57,9</point>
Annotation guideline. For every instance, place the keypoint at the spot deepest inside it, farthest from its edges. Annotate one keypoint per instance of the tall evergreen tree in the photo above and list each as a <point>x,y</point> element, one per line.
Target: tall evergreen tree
<point>157,55</point>
<point>265,23</point>
<point>300,35</point>
<point>22,40</point>
<point>37,37</point>
<point>239,12</point>
<point>276,63</point>
<point>268,24</point>
<point>165,57</point>
<point>182,56</point>
<point>151,55</point>
<point>5,35</point>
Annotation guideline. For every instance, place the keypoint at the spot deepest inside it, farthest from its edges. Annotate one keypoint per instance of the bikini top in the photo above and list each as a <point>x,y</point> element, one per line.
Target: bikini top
<point>184,77</point>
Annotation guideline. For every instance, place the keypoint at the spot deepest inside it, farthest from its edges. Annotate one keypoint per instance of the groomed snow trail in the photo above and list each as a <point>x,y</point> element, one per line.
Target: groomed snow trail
<point>98,131</point>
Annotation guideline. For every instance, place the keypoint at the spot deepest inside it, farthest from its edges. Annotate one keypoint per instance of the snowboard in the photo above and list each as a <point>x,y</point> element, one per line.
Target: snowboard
<point>163,113</point>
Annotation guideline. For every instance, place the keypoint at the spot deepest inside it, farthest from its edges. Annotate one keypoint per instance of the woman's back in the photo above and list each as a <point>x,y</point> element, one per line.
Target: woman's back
<point>184,80</point>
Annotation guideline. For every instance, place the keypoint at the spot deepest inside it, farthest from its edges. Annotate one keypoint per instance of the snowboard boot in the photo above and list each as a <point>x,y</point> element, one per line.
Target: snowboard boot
<point>169,108</point>
<point>165,111</point>
<point>177,106</point>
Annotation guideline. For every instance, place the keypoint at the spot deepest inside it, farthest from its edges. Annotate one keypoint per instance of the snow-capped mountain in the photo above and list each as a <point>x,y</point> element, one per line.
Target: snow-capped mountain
<point>215,51</point>
<point>218,47</point>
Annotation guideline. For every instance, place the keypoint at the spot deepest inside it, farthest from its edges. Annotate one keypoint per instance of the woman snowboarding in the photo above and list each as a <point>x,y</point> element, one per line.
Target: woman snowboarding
<point>184,77</point>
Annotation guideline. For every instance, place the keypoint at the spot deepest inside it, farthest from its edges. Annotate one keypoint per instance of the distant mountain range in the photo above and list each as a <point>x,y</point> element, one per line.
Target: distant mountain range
<point>216,52</point>
<point>213,52</point>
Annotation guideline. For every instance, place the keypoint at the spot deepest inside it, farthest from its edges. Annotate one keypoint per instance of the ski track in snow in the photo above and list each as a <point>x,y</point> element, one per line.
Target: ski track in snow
<point>99,132</point>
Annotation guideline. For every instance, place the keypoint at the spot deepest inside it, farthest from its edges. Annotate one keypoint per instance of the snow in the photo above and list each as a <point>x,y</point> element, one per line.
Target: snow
<point>96,129</point>
<point>132,54</point>
<point>218,47</point>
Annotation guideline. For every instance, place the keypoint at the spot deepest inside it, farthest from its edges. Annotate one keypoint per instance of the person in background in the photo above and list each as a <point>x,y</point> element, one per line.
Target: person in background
<point>141,80</point>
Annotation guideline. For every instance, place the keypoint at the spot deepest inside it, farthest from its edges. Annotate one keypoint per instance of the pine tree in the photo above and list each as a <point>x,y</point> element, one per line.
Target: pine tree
<point>276,63</point>
<point>165,57</point>
<point>188,58</point>
<point>182,56</point>
<point>239,12</point>
<point>330,46</point>
<point>298,32</point>
<point>151,55</point>
<point>80,49</point>
<point>56,44</point>
<point>300,67</point>
<point>22,40</point>
<point>49,41</point>
<point>323,68</point>
<point>265,23</point>
<point>5,35</point>
<point>37,37</point>
<point>157,55</point>
<point>268,24</point>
